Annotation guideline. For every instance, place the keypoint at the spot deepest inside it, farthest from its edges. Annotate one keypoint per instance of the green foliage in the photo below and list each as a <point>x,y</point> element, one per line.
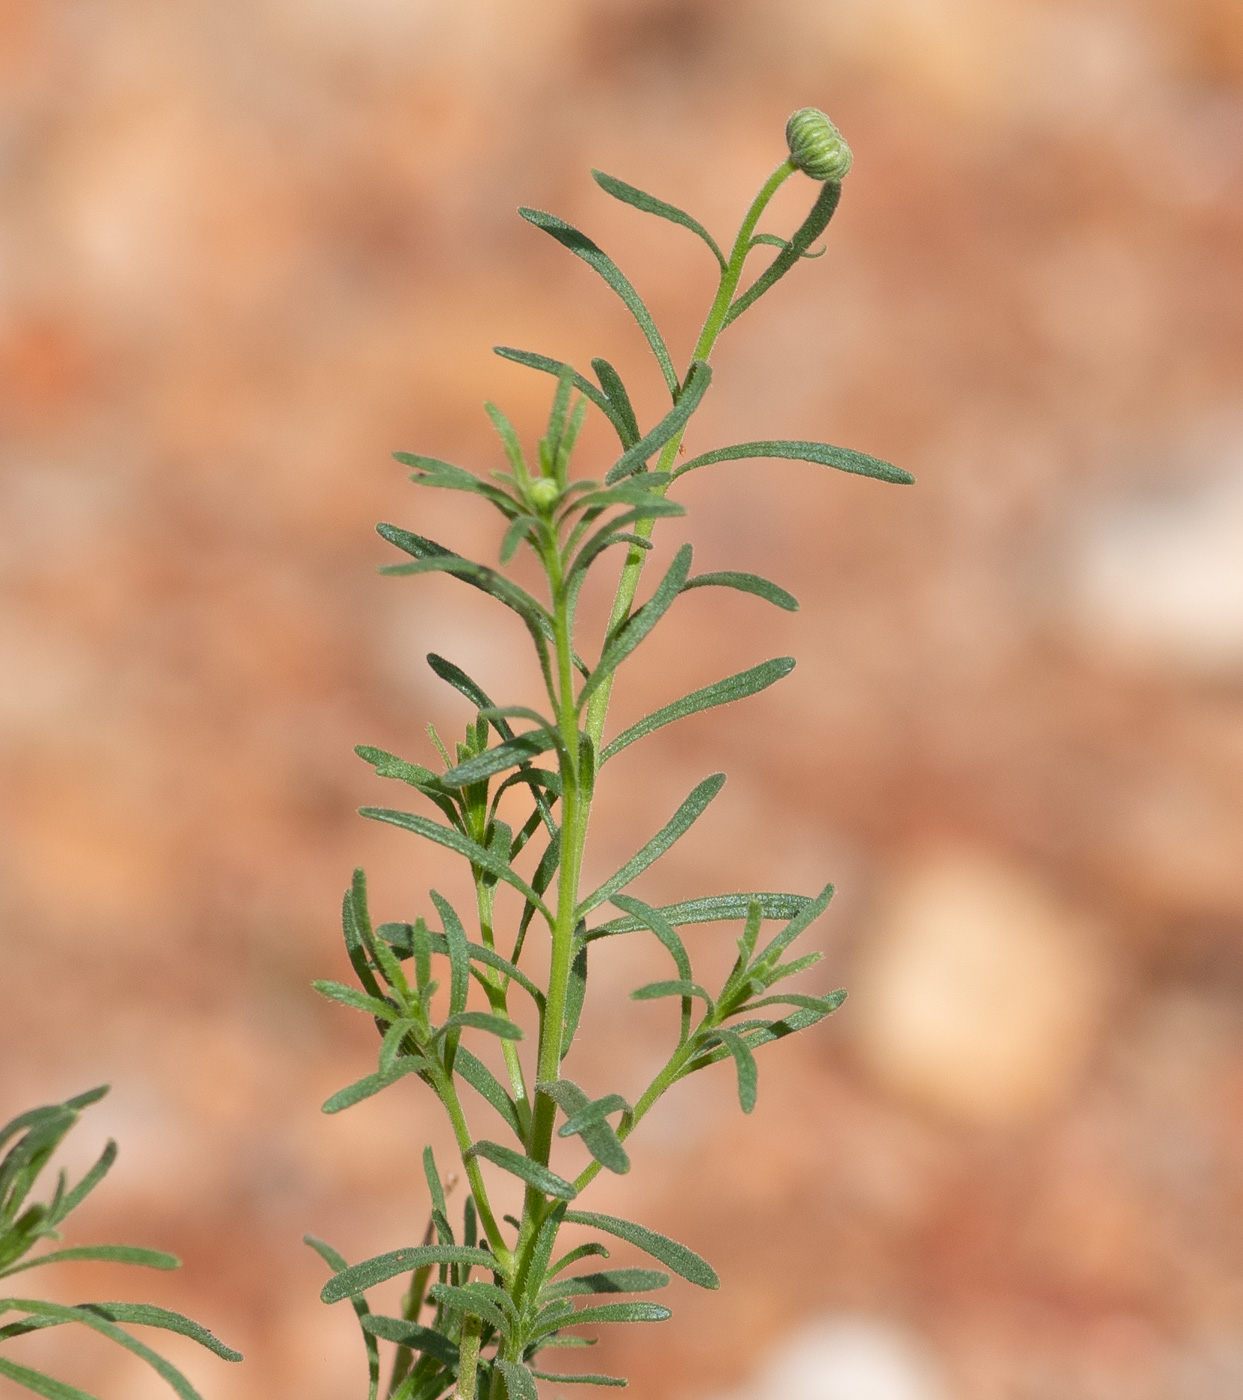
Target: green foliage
<point>477,1313</point>
<point>35,1136</point>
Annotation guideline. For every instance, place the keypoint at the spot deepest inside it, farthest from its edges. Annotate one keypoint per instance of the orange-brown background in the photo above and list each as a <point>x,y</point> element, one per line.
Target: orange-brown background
<point>246,250</point>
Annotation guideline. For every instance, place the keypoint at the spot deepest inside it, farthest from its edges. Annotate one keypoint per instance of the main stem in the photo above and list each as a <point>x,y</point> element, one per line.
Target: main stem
<point>598,705</point>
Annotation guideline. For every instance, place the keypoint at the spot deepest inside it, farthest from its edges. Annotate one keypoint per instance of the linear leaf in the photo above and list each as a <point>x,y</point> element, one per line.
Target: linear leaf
<point>148,1315</point>
<point>641,622</point>
<point>611,383</point>
<point>597,1134</point>
<point>414,1336</point>
<point>499,1026</point>
<point>448,477</point>
<point>359,1277</point>
<point>653,991</point>
<point>360,1001</point>
<point>746,583</point>
<point>519,1382</point>
<point>584,385</point>
<point>649,204</point>
<point>823,454</point>
<point>89,1182</point>
<point>684,1262</point>
<point>587,1378</point>
<point>463,845</point>
<point>736,687</point>
<point>744,1062</point>
<point>607,1281</point>
<point>689,812</point>
<point>711,909</point>
<point>525,1168</point>
<point>40,1384</point>
<point>464,685</point>
<point>465,1299</point>
<point>486,1084</point>
<point>497,760</point>
<point>619,1312</point>
<point>805,235</point>
<point>685,403</point>
<point>119,1335</point>
<point>459,958</point>
<point>372,1083</point>
<point>116,1253</point>
<point>595,257</point>
<point>483,577</point>
<point>575,993</point>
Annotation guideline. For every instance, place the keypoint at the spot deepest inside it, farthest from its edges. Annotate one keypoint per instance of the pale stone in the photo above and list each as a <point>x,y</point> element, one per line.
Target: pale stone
<point>848,1358</point>
<point>977,993</point>
<point>1157,570</point>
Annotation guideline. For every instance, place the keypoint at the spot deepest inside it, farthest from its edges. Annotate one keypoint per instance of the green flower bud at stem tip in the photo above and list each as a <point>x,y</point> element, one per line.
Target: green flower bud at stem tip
<point>816,145</point>
<point>543,493</point>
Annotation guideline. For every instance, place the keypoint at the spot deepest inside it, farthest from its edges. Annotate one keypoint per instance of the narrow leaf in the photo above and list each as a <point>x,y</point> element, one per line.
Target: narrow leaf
<point>641,622</point>
<point>653,991</point>
<point>359,1277</point>
<point>711,909</point>
<point>744,1062</point>
<point>588,1378</point>
<point>463,845</point>
<point>499,1026</point>
<point>372,1083</point>
<point>360,1001</point>
<point>595,257</point>
<point>518,1380</point>
<point>412,1335</point>
<point>746,583</point>
<point>115,1253</point>
<point>608,1281</point>
<point>684,1262</point>
<point>585,386</point>
<point>619,1312</point>
<point>611,383</point>
<point>808,231</point>
<point>689,812</point>
<point>459,958</point>
<point>525,1168</point>
<point>40,1384</point>
<point>685,403</point>
<point>503,756</point>
<point>486,1084</point>
<point>822,453</point>
<point>148,1315</point>
<point>649,204</point>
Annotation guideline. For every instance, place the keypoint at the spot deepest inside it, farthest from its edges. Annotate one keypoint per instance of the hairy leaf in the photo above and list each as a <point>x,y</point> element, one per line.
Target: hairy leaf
<point>684,1262</point>
<point>745,583</point>
<point>649,204</point>
<point>712,908</point>
<point>526,1168</point>
<point>689,812</point>
<point>823,454</point>
<point>685,403</point>
<point>595,257</point>
<point>359,1277</point>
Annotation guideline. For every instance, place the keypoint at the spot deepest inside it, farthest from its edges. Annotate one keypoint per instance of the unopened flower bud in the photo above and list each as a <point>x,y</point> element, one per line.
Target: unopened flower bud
<point>543,493</point>
<point>816,145</point>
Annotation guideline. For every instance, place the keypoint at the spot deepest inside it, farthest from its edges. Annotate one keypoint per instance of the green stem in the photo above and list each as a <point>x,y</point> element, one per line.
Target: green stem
<point>444,1086</point>
<point>496,989</point>
<point>597,706</point>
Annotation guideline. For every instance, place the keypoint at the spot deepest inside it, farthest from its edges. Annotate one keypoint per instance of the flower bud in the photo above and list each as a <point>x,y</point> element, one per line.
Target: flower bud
<point>543,493</point>
<point>816,145</point>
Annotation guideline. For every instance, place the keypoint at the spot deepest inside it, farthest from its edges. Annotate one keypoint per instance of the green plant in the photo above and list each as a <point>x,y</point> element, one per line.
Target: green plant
<point>35,1136</point>
<point>499,1295</point>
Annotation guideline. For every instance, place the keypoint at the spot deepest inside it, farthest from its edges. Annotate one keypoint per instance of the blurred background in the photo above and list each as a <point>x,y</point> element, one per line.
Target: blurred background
<point>248,250</point>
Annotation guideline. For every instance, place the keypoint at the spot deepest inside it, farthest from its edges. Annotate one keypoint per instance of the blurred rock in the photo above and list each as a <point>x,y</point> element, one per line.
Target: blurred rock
<point>977,993</point>
<point>1157,574</point>
<point>847,1358</point>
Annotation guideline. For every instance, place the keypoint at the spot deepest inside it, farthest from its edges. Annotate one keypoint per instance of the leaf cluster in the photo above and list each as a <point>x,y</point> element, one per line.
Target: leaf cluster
<point>31,1139</point>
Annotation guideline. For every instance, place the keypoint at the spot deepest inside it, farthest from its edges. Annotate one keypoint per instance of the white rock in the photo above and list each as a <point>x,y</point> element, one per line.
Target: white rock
<point>848,1358</point>
<point>1157,572</point>
<point>976,992</point>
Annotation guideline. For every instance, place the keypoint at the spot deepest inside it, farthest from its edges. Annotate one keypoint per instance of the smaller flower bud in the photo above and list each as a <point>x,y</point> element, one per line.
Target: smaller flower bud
<point>816,145</point>
<point>543,493</point>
